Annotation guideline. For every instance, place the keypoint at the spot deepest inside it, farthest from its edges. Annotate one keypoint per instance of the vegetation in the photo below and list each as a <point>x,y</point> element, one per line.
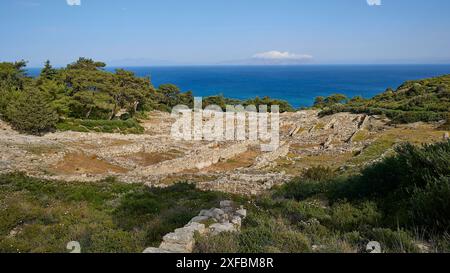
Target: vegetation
<point>423,100</point>
<point>403,202</point>
<point>31,112</point>
<point>83,92</point>
<point>129,126</point>
<point>107,216</point>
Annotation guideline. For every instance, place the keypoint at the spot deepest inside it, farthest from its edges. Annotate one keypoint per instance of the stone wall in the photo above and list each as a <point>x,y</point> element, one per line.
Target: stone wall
<point>209,222</point>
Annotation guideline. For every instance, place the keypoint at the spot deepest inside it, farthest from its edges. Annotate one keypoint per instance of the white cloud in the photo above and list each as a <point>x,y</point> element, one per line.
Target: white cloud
<point>374,2</point>
<point>278,55</point>
<point>73,2</point>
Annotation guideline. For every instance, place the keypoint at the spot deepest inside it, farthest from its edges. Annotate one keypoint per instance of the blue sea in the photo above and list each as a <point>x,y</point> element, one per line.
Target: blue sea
<point>297,84</point>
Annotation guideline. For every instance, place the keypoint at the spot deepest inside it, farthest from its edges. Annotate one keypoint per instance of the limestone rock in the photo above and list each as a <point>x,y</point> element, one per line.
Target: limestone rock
<point>155,250</point>
<point>180,236</point>
<point>199,219</point>
<point>224,227</point>
<point>226,204</point>
<point>207,213</point>
<point>237,221</point>
<point>195,227</point>
<point>242,213</point>
<point>218,214</point>
<point>177,248</point>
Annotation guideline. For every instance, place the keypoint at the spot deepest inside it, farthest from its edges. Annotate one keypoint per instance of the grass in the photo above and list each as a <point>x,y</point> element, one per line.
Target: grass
<point>130,126</point>
<point>360,136</point>
<point>374,151</point>
<point>108,216</point>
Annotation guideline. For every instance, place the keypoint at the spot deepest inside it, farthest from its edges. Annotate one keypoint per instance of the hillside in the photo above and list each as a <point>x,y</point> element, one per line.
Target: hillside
<point>421,100</point>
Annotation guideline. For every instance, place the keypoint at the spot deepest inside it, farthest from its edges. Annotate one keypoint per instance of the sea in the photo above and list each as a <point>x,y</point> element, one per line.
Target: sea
<point>299,85</point>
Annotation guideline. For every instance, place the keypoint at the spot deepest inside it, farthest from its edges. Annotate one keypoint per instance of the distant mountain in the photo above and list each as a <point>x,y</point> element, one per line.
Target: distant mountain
<point>272,58</point>
<point>256,61</point>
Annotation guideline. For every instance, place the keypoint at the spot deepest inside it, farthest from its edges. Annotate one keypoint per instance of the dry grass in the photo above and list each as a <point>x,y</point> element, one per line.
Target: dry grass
<point>149,159</point>
<point>41,149</point>
<point>173,179</point>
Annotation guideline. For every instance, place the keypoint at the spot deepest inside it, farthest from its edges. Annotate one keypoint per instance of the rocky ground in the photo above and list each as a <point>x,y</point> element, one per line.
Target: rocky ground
<point>155,158</point>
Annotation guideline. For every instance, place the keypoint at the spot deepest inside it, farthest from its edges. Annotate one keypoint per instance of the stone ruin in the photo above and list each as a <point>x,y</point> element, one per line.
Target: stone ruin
<point>211,222</point>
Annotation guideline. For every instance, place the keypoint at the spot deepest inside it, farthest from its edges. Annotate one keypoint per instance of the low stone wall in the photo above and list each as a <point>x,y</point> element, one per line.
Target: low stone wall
<point>197,160</point>
<point>209,222</point>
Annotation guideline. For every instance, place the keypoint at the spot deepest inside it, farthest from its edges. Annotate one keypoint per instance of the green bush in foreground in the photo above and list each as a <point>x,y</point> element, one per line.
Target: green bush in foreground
<point>411,187</point>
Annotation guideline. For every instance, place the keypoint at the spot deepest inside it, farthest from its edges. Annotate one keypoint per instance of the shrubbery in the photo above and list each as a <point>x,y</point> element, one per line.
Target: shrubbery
<point>411,187</point>
<point>31,112</point>
<point>424,100</point>
<point>129,126</point>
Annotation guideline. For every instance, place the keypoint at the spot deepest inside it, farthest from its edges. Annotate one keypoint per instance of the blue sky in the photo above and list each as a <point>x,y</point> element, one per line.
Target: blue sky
<point>216,31</point>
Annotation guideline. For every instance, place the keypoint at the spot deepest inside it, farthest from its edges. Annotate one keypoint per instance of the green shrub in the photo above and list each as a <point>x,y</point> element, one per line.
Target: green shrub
<point>347,217</point>
<point>130,126</point>
<point>305,210</point>
<point>318,173</point>
<point>300,189</point>
<point>430,204</point>
<point>411,187</point>
<point>394,241</point>
<point>31,113</point>
<point>222,243</point>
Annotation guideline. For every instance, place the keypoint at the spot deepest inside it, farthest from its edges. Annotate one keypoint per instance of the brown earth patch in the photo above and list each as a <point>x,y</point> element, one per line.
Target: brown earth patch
<point>119,142</point>
<point>78,163</point>
<point>244,160</point>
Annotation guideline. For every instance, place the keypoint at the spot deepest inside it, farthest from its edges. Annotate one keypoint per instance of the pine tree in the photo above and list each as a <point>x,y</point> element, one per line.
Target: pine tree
<point>32,113</point>
<point>48,72</point>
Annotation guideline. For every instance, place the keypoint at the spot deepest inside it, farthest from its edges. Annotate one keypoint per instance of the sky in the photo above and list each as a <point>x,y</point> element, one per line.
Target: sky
<point>202,32</point>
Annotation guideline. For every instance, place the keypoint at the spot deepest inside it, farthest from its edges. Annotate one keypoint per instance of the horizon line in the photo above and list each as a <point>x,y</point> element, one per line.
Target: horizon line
<point>244,65</point>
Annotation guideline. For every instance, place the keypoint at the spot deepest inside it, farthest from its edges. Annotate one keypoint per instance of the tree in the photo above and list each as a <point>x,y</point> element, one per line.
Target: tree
<point>57,94</point>
<point>335,99</point>
<point>91,105</point>
<point>319,102</point>
<point>86,64</point>
<point>32,113</point>
<point>356,99</point>
<point>170,94</point>
<point>13,76</point>
<point>129,91</point>
<point>48,72</point>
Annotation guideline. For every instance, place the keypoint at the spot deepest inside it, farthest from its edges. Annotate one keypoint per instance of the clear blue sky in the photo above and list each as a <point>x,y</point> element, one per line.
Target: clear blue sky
<point>211,31</point>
